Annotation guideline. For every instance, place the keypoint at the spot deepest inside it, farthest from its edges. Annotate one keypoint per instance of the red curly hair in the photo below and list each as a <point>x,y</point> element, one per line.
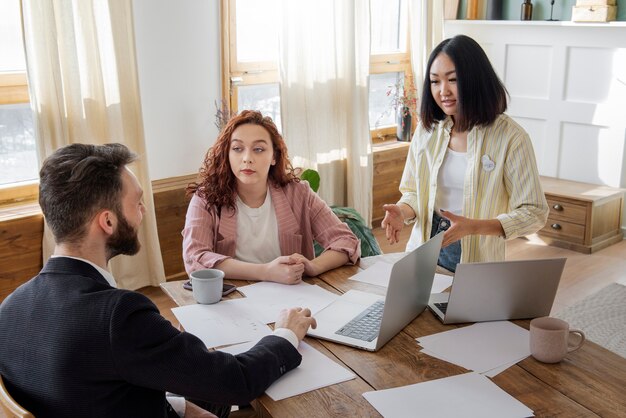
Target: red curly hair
<point>217,184</point>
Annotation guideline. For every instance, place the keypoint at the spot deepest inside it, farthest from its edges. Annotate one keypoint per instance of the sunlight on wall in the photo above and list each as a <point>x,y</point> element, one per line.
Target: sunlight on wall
<point>322,158</point>
<point>534,239</point>
<point>611,141</point>
<point>332,155</point>
<point>107,53</point>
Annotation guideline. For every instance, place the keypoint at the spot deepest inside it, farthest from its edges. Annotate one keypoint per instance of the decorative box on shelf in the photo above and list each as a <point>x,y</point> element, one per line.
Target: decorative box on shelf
<point>583,217</point>
<point>594,11</point>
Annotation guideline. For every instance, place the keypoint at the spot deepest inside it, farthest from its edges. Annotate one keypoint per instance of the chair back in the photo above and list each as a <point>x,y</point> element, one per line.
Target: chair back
<point>11,408</point>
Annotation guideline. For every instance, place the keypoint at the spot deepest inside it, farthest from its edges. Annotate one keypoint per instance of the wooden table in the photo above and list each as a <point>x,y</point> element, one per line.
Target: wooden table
<point>588,382</point>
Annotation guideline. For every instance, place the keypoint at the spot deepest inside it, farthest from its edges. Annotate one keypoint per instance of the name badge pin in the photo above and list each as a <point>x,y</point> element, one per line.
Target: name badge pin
<point>488,164</point>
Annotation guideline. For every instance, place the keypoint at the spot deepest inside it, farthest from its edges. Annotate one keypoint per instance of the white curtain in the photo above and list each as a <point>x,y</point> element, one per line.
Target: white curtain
<point>426,32</point>
<point>324,65</point>
<point>83,85</point>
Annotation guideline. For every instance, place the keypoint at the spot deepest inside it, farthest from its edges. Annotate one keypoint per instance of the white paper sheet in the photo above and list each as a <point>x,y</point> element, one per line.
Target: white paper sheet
<point>468,395</point>
<point>222,323</point>
<point>441,283</point>
<point>489,373</point>
<point>269,298</point>
<point>367,262</point>
<point>481,347</point>
<point>380,272</point>
<point>316,371</point>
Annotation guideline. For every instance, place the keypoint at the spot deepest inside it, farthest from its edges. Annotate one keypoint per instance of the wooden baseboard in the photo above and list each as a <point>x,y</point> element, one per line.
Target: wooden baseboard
<point>20,249</point>
<point>21,233</point>
<point>170,205</point>
<point>21,227</point>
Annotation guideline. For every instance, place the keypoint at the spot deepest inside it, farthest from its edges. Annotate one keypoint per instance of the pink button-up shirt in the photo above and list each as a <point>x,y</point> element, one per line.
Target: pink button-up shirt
<point>209,238</point>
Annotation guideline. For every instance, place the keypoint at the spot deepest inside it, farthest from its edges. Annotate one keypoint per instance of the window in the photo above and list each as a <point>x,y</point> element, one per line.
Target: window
<point>251,54</point>
<point>390,62</point>
<point>251,51</point>
<point>18,155</point>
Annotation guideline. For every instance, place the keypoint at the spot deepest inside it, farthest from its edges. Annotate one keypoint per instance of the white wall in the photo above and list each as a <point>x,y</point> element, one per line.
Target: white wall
<point>568,90</point>
<point>178,59</point>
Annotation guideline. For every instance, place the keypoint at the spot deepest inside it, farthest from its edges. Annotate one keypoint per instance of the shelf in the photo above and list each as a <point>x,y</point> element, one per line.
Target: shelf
<point>563,23</point>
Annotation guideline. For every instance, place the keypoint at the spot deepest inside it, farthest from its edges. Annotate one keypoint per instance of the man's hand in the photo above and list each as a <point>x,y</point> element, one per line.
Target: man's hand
<point>392,223</point>
<point>296,319</point>
<point>194,411</point>
<point>284,269</point>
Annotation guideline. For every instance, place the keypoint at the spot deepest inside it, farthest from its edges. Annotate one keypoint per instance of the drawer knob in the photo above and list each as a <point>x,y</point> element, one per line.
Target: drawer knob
<point>557,207</point>
<point>556,226</point>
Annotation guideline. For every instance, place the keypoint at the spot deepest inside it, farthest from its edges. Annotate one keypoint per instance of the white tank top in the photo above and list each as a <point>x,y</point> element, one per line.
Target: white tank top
<point>257,232</point>
<point>450,182</point>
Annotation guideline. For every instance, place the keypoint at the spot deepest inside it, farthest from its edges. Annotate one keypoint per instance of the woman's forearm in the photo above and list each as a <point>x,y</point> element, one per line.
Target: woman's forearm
<point>241,270</point>
<point>329,260</point>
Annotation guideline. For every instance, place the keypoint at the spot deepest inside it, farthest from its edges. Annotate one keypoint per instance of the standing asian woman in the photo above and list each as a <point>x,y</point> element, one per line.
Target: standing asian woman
<point>471,169</point>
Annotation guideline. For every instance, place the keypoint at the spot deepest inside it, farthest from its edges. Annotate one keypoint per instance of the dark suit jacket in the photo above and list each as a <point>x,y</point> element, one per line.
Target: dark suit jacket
<point>73,346</point>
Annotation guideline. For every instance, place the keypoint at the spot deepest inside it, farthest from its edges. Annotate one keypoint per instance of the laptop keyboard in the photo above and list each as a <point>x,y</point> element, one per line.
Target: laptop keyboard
<point>442,306</point>
<point>364,326</point>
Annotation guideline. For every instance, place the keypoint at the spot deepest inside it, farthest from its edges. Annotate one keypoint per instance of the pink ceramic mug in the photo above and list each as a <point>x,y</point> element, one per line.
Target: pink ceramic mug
<point>549,339</point>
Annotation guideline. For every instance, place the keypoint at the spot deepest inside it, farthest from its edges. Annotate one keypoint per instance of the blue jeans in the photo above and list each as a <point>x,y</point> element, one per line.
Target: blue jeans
<point>449,256</point>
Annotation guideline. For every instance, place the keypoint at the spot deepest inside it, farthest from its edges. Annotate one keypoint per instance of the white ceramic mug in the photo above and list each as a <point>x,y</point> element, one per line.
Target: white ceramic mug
<point>549,339</point>
<point>207,285</point>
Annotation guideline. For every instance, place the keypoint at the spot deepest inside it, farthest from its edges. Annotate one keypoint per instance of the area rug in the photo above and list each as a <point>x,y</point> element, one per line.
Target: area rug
<point>602,317</point>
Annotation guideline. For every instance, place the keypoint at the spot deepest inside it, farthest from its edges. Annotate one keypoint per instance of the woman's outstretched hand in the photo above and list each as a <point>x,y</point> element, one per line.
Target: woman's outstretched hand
<point>460,226</point>
<point>392,223</point>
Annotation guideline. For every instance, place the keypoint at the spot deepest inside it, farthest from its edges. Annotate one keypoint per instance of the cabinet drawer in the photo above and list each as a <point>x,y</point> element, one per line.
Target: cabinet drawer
<point>567,211</point>
<point>564,230</point>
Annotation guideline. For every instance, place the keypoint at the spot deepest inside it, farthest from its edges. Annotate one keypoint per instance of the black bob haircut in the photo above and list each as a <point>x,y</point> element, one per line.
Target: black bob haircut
<point>481,95</point>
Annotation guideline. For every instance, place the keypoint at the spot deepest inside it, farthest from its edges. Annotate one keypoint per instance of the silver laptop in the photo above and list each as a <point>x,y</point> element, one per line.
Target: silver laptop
<point>499,291</point>
<point>368,321</point>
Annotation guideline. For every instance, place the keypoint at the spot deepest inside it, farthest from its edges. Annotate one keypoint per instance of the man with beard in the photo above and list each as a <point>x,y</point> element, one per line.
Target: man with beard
<point>72,344</point>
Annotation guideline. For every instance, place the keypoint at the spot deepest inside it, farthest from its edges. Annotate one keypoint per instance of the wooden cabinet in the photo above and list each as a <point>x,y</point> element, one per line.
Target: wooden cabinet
<point>583,217</point>
<point>389,159</point>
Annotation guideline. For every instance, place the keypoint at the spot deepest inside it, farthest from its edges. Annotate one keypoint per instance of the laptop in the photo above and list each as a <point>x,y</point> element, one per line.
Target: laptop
<point>499,291</point>
<point>382,317</point>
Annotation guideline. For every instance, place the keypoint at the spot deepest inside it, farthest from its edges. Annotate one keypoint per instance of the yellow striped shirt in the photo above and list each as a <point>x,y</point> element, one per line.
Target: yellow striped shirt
<point>509,189</point>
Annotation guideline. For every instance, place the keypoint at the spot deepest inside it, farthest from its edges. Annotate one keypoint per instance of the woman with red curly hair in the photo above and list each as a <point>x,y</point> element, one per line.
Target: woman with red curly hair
<point>251,217</point>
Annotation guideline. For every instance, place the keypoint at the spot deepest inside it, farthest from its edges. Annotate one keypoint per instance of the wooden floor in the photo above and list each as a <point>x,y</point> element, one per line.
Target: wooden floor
<point>584,274</point>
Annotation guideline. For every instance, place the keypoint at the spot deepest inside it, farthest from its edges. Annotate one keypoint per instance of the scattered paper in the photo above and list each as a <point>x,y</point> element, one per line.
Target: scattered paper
<point>441,283</point>
<point>489,373</point>
<point>466,395</point>
<point>222,323</point>
<point>269,298</point>
<point>484,347</point>
<point>380,272</point>
<point>377,274</point>
<point>367,262</point>
<point>316,371</point>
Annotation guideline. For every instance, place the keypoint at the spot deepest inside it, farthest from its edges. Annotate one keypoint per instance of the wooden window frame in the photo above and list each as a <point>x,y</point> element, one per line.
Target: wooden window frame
<point>389,63</point>
<point>235,74</point>
<point>14,90</point>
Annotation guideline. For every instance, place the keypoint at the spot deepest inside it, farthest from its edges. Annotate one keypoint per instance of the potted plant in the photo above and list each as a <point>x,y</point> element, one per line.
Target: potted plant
<point>403,99</point>
<point>222,114</point>
<point>352,218</point>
